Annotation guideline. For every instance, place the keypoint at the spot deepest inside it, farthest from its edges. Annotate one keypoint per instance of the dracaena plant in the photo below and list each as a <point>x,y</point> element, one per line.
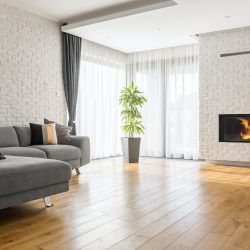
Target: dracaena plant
<point>131,101</point>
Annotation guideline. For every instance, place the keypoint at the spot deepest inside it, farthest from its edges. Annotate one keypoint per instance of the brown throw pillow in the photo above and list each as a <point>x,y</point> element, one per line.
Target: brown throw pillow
<point>62,131</point>
<point>43,134</point>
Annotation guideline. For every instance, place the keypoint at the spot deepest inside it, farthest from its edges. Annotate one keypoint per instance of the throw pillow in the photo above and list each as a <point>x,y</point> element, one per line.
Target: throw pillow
<point>2,157</point>
<point>43,134</point>
<point>62,131</point>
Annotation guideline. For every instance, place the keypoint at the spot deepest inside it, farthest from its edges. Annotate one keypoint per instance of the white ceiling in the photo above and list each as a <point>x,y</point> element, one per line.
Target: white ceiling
<point>171,26</point>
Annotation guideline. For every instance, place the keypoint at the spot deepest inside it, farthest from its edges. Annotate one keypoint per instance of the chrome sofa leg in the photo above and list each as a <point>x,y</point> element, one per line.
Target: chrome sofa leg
<point>47,202</point>
<point>77,171</point>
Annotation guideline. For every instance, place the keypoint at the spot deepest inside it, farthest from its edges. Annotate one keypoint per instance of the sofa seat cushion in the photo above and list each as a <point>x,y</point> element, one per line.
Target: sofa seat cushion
<point>19,174</point>
<point>60,152</point>
<point>23,151</point>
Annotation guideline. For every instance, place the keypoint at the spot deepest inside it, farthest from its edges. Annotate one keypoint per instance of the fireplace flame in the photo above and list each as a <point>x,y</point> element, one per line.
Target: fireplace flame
<point>245,130</point>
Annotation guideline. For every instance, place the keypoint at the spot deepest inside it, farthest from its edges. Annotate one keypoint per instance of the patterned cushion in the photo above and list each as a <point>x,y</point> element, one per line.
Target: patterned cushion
<point>62,131</point>
<point>43,134</point>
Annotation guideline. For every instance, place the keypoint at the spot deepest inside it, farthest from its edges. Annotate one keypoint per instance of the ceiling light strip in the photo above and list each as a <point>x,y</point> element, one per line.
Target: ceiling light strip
<point>128,12</point>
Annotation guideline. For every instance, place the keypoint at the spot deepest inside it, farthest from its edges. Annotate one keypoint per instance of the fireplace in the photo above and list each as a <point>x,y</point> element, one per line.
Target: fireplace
<point>234,128</point>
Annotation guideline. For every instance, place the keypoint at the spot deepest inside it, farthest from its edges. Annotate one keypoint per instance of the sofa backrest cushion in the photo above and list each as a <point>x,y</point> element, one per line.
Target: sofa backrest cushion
<point>8,137</point>
<point>24,135</point>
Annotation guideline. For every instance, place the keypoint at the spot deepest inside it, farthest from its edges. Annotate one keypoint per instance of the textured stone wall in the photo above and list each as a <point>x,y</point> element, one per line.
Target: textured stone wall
<point>31,86</point>
<point>224,89</point>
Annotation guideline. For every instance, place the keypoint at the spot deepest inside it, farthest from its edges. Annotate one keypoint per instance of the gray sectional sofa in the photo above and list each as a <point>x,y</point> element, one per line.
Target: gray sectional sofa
<point>38,171</point>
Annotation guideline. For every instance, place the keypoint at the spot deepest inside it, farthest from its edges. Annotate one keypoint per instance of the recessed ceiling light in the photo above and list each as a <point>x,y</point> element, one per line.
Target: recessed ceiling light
<point>227,17</point>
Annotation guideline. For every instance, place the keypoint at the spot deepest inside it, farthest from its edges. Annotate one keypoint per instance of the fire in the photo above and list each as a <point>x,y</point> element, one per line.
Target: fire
<point>245,131</point>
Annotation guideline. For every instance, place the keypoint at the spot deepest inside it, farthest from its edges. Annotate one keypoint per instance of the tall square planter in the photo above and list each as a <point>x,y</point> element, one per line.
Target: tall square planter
<point>131,149</point>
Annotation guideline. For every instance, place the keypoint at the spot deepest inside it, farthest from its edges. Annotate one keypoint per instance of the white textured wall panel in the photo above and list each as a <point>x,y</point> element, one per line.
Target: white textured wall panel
<point>31,86</point>
<point>224,89</point>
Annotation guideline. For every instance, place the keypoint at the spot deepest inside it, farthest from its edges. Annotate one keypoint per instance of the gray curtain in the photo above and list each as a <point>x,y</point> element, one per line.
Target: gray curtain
<point>71,68</point>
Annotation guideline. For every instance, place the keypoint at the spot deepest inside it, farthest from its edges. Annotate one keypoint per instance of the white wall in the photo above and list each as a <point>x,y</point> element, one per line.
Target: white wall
<point>31,85</point>
<point>224,89</point>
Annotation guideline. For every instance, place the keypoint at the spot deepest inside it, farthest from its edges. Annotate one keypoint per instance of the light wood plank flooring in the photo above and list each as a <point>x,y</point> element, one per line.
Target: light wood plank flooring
<point>158,204</point>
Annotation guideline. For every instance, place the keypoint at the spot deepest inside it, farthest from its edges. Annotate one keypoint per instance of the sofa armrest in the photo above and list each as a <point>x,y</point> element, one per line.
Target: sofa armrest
<point>83,143</point>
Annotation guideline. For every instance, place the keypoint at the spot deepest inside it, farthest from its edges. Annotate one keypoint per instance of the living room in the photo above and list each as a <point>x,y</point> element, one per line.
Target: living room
<point>124,124</point>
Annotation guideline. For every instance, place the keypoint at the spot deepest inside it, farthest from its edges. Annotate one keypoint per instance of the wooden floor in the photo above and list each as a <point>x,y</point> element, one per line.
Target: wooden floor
<point>158,204</point>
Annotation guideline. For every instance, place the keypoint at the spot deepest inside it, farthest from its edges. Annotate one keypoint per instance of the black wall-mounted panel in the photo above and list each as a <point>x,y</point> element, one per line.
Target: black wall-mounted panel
<point>235,54</point>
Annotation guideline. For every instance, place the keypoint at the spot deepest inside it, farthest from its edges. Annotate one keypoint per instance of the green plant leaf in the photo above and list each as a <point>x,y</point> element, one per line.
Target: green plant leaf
<point>131,100</point>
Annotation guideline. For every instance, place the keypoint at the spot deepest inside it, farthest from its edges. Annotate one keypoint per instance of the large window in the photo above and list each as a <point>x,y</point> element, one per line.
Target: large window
<point>169,80</point>
<point>102,75</point>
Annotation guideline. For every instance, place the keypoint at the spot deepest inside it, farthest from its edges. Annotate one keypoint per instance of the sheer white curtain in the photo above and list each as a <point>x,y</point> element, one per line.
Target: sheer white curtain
<point>169,79</point>
<point>102,75</point>
<point>147,75</point>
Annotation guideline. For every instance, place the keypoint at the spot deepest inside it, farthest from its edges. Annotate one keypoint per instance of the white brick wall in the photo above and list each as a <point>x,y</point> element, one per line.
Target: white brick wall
<point>31,86</point>
<point>224,89</point>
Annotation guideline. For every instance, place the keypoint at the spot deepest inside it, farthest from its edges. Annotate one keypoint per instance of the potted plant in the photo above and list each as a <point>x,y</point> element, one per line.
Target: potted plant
<point>131,100</point>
